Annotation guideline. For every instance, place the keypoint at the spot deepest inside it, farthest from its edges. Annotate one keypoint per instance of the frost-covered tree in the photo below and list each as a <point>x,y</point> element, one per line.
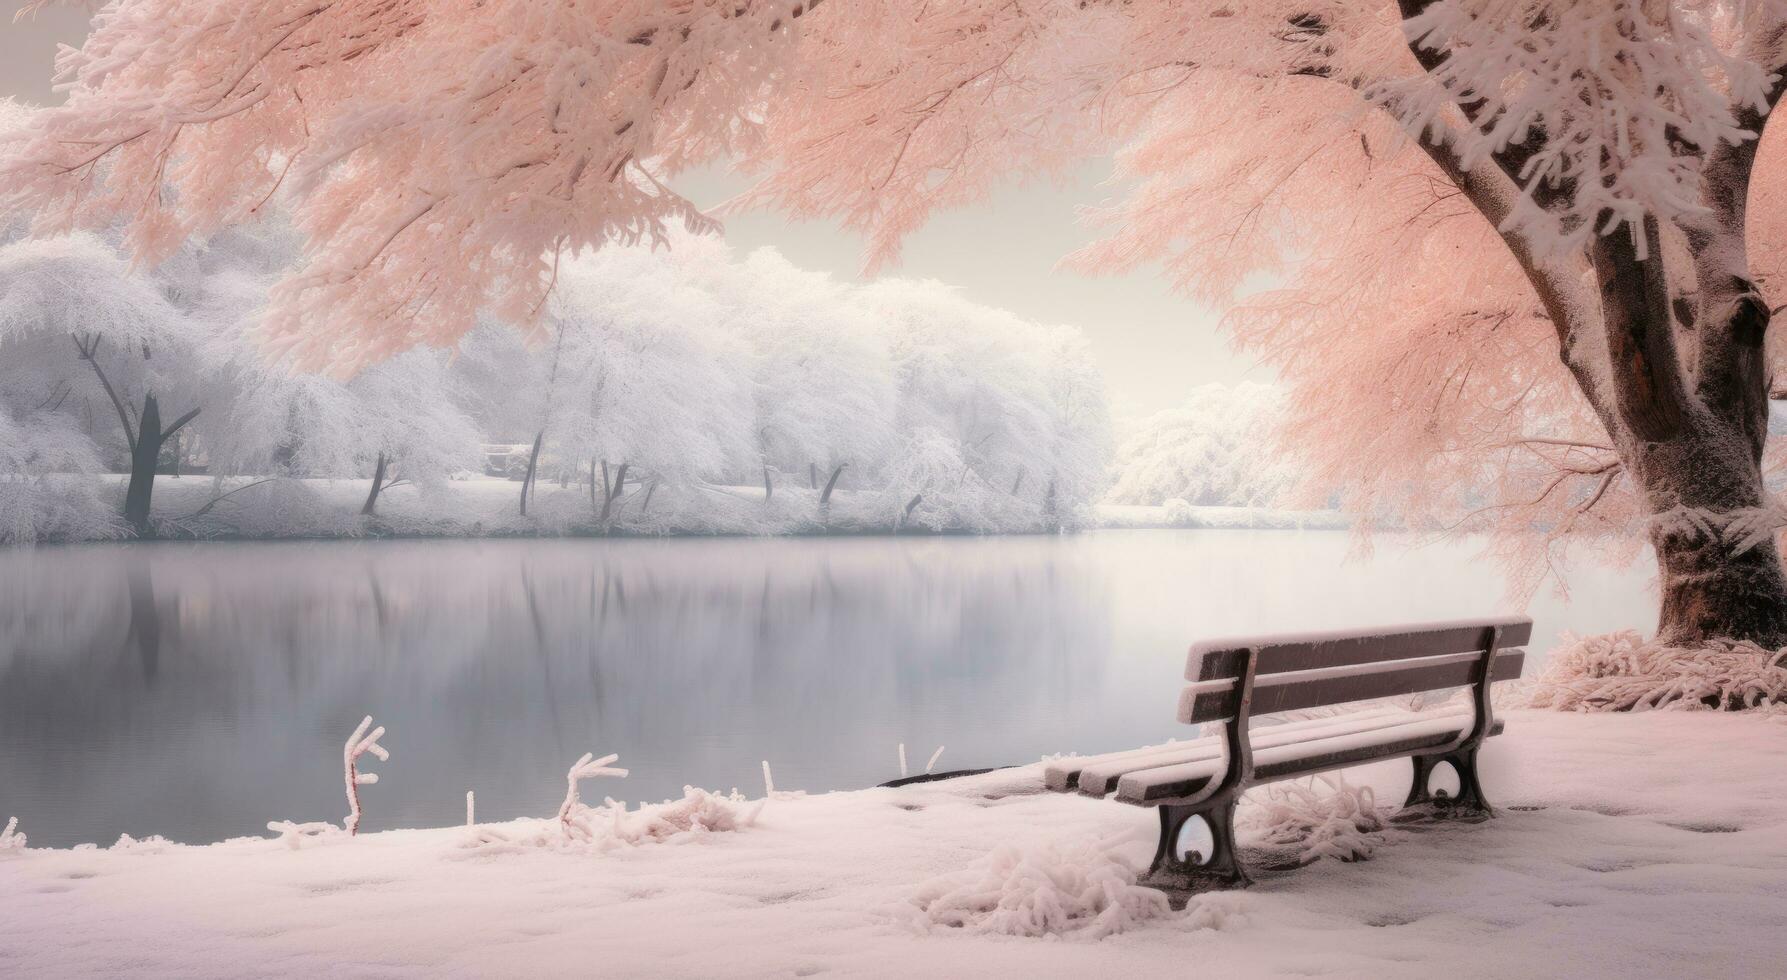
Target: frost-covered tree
<point>649,376</point>
<point>1214,448</point>
<point>76,294</point>
<point>819,373</point>
<point>990,412</point>
<point>632,366</point>
<point>395,422</point>
<point>38,453</point>
<point>1518,233</point>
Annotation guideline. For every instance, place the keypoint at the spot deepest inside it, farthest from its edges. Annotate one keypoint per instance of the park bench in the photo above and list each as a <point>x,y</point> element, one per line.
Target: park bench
<point>1196,784</point>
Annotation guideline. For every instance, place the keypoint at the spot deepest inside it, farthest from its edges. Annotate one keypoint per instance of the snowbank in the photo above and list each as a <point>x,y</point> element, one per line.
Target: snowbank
<point>478,506</point>
<point>1627,845</point>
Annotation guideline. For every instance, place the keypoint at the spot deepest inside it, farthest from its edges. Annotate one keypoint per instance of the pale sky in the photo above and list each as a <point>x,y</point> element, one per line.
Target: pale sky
<point>1151,344</point>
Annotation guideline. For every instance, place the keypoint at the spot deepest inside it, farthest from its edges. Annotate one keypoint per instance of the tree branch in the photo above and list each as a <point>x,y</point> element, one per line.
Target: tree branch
<point>88,346</point>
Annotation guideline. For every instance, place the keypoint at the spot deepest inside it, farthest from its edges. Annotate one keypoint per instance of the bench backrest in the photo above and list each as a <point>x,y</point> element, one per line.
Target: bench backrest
<point>1315,670</point>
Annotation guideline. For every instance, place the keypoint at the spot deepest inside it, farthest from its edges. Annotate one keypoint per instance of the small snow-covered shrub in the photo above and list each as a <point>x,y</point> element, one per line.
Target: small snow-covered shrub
<point>1076,890</point>
<point>1344,823</point>
<point>10,838</point>
<point>699,813</point>
<point>1625,672</point>
<point>572,814</point>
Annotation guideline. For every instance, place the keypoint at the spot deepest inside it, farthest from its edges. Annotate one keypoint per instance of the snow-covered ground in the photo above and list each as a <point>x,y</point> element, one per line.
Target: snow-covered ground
<point>1648,844</point>
<point>196,506</point>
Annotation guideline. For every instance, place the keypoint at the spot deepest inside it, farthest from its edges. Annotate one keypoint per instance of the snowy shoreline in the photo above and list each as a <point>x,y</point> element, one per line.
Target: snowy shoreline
<point>198,507</point>
<point>1626,845</point>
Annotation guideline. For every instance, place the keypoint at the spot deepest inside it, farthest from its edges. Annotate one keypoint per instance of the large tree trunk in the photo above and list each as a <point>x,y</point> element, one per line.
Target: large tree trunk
<point>143,458</point>
<point>1692,443</point>
<point>1708,589</point>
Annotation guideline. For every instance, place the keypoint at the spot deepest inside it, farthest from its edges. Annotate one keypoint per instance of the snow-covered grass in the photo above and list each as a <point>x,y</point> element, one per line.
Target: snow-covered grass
<point>1623,671</point>
<point>1626,845</point>
<point>196,506</point>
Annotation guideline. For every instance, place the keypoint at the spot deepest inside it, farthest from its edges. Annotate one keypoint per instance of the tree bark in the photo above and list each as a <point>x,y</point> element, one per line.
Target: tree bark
<point>145,455</point>
<point>1709,591</point>
<point>533,463</point>
<point>378,483</point>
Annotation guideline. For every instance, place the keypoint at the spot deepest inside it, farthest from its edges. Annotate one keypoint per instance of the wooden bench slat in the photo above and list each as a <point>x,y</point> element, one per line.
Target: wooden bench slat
<point>1204,702</point>
<point>1222,658</point>
<point>1151,787</point>
<point>1100,779</point>
<point>1062,775</point>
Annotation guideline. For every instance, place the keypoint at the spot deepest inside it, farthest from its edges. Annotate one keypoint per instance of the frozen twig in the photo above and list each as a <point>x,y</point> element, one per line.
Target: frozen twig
<point>933,761</point>
<point>358,744</point>
<point>470,809</point>
<point>586,767</point>
<point>902,760</point>
<point>12,840</point>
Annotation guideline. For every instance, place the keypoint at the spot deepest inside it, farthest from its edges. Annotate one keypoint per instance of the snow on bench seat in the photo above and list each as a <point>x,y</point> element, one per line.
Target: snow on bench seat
<point>1097,775</point>
<point>1365,739</point>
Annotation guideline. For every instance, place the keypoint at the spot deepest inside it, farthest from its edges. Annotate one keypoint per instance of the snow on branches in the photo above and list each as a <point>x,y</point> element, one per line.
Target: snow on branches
<point>358,744</point>
<point>1613,103</point>
<point>571,812</point>
<point>1623,671</point>
<point>1343,822</point>
<point>400,127</point>
<point>10,838</point>
<point>1078,889</point>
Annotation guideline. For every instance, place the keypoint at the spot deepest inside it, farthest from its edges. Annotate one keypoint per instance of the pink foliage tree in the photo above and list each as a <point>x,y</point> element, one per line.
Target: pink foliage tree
<point>1525,250</point>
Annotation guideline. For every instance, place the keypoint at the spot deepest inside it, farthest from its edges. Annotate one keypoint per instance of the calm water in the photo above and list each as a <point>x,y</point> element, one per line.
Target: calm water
<point>198,691</point>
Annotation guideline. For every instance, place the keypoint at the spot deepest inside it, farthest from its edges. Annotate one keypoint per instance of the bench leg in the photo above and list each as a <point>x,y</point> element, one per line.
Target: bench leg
<point>1469,802</point>
<point>1197,872</point>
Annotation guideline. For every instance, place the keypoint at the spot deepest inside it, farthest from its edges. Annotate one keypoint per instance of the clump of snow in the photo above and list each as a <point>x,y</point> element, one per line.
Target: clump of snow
<point>1344,823</point>
<point>1622,671</point>
<point>1074,889</point>
<point>698,812</point>
<point>152,844</point>
<point>10,838</point>
<point>296,835</point>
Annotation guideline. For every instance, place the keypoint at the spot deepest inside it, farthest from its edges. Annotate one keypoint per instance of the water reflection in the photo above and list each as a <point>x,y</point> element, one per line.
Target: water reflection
<point>200,690</point>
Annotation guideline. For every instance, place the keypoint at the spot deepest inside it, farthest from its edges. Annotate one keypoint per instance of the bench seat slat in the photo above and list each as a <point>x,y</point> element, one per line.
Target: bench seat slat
<point>1101,779</point>
<point>1063,775</point>
<point>1222,658</point>
<point>1151,787</point>
<point>1199,702</point>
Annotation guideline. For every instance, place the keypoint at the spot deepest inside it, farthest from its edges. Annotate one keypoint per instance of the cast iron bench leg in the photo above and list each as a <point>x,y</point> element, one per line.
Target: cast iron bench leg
<point>1181,879</point>
<point>1470,801</point>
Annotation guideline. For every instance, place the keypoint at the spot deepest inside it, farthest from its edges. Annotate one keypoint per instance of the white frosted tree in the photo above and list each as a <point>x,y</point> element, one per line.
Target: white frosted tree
<point>819,372</point>
<point>76,293</point>
<point>981,411</point>
<point>1215,448</point>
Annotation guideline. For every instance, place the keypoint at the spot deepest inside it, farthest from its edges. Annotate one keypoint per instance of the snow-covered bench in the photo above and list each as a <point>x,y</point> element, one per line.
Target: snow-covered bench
<point>1196,784</point>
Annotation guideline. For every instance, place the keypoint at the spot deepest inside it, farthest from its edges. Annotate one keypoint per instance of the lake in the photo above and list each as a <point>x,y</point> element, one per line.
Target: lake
<point>199,690</point>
